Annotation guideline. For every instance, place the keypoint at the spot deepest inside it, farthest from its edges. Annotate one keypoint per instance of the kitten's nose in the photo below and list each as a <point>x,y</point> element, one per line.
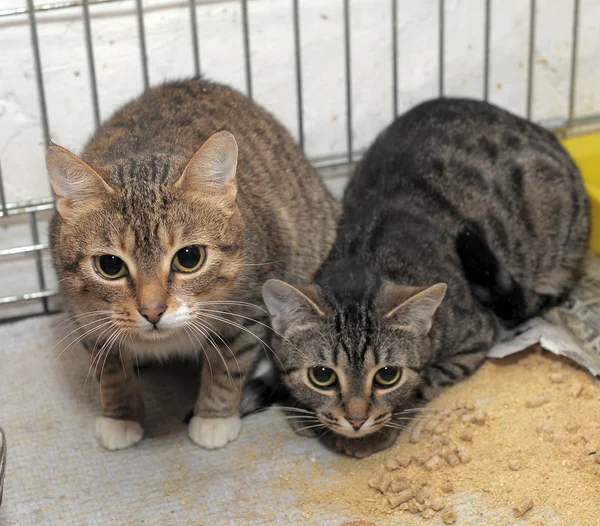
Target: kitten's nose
<point>153,314</point>
<point>357,424</point>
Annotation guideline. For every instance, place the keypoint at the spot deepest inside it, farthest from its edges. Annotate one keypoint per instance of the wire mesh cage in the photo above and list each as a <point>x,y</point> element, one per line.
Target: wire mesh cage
<point>335,72</point>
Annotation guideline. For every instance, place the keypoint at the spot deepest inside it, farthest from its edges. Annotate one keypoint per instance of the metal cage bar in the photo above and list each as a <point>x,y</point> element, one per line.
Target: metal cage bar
<point>486,50</point>
<point>30,209</point>
<point>142,43</point>
<point>38,71</point>
<point>91,63</point>
<point>441,48</point>
<point>394,58</point>
<point>573,71</point>
<point>348,64</point>
<point>246,34</point>
<point>530,58</point>
<point>298,63</point>
<point>195,43</point>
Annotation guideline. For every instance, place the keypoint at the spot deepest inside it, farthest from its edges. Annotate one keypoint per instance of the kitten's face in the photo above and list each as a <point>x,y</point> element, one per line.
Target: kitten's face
<point>355,368</point>
<point>149,257</point>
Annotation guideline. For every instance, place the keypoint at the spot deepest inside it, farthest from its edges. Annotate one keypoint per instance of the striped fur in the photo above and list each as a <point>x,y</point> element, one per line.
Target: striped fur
<point>457,192</point>
<point>142,189</point>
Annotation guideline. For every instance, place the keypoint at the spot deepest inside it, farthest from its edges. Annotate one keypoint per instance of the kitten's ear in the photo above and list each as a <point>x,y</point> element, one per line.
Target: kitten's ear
<point>212,167</point>
<point>73,181</point>
<point>288,305</point>
<point>418,308</point>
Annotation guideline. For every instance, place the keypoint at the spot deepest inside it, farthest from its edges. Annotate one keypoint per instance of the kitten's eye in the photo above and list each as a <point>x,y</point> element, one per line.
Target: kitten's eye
<point>110,267</point>
<point>322,377</point>
<point>387,376</point>
<point>189,259</point>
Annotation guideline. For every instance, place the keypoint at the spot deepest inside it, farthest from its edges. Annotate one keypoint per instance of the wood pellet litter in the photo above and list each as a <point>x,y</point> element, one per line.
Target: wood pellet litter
<point>522,434</point>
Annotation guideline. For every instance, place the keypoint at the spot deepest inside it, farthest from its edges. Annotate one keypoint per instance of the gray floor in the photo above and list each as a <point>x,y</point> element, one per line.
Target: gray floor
<point>58,474</point>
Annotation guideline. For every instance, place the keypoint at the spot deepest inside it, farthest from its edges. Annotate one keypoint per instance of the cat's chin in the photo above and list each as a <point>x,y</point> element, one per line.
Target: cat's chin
<point>155,335</point>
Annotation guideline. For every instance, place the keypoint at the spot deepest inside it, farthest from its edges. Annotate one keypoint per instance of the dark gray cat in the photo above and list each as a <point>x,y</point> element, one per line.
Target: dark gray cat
<point>461,218</point>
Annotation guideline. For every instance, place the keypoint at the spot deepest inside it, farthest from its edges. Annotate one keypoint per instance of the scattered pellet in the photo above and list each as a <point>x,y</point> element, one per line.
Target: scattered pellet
<point>447,486</point>
<point>429,425</point>
<point>514,465</point>
<point>470,406</point>
<point>440,429</point>
<point>537,401</point>
<point>487,489</point>
<point>376,479</point>
<point>380,482</point>
<point>571,427</point>
<point>425,457</point>
<point>557,378</point>
<point>415,432</point>
<point>403,461</point>
<point>437,504</point>
<point>400,498</point>
<point>576,390</point>
<point>428,513</point>
<point>392,465</point>
<point>444,440</point>
<point>421,495</point>
<point>469,418</point>
<point>525,505</point>
<point>452,459</point>
<point>463,453</point>
<point>467,436</point>
<point>449,516</point>
<point>434,463</point>
<point>414,506</point>
<point>479,417</point>
<point>400,484</point>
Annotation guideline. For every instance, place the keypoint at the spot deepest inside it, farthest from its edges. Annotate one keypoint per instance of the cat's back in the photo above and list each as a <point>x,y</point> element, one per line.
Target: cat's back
<point>453,144</point>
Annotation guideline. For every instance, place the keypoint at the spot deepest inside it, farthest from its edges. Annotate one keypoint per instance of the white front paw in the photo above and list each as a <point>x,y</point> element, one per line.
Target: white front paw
<point>117,434</point>
<point>213,433</point>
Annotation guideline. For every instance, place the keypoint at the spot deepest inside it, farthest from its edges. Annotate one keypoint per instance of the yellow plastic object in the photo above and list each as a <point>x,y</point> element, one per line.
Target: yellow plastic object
<point>585,149</point>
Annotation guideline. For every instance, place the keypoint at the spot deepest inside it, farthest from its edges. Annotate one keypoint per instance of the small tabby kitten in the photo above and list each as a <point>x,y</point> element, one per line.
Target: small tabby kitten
<point>460,218</point>
<point>162,238</point>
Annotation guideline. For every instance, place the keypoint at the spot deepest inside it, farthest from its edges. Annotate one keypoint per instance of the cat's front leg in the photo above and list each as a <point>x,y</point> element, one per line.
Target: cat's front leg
<point>120,425</point>
<point>363,446</point>
<point>216,420</point>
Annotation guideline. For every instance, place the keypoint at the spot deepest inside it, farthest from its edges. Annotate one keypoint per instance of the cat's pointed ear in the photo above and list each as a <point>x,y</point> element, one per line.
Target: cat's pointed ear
<point>73,181</point>
<point>213,167</point>
<point>413,306</point>
<point>287,305</point>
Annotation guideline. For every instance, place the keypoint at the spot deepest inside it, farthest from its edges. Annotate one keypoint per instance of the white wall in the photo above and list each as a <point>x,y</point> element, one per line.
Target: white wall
<point>118,70</point>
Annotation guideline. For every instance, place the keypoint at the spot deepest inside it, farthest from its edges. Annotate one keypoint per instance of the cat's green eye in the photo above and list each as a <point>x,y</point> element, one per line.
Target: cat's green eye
<point>189,259</point>
<point>110,267</point>
<point>387,376</point>
<point>322,377</point>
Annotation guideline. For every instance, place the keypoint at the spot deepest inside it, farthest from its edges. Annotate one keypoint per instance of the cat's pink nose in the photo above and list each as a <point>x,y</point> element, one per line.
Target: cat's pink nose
<point>356,424</point>
<point>153,314</point>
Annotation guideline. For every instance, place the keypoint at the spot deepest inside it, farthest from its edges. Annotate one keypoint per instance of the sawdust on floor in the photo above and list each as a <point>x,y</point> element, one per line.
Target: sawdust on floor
<point>523,430</point>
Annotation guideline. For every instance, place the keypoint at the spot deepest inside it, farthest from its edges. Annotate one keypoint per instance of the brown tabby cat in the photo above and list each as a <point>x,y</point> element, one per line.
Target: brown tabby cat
<point>163,236</point>
<point>460,218</point>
